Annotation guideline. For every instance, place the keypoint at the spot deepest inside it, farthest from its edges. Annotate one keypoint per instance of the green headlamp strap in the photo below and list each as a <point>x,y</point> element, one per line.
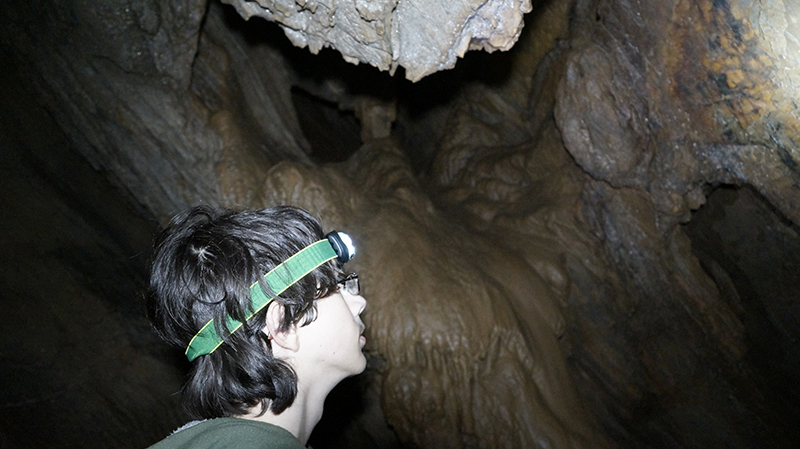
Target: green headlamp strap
<point>279,279</point>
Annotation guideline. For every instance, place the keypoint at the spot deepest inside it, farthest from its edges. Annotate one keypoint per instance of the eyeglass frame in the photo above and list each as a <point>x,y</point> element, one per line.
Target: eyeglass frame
<point>351,279</point>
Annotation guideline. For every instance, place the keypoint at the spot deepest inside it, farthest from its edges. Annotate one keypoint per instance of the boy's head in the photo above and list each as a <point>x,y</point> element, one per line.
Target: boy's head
<point>204,264</point>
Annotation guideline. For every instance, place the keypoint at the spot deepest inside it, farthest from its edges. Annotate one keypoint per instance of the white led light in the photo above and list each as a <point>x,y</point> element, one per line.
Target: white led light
<point>348,242</point>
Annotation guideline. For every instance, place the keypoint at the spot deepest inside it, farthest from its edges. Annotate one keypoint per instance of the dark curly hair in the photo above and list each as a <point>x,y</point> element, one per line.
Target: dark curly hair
<point>204,263</point>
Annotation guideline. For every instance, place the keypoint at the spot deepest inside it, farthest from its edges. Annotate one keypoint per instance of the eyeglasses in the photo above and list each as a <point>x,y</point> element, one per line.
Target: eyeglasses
<point>350,283</point>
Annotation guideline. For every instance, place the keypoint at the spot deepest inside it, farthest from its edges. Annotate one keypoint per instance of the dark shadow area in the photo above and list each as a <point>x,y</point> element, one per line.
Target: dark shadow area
<point>334,134</point>
<point>74,251</point>
<point>753,254</point>
<point>325,67</point>
<point>350,403</point>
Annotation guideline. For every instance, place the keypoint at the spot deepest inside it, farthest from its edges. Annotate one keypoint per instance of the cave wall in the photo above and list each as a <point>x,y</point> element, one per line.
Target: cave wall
<point>79,363</point>
<point>531,276</point>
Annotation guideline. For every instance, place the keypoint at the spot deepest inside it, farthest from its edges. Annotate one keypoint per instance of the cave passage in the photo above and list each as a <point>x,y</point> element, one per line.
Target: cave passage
<point>579,219</point>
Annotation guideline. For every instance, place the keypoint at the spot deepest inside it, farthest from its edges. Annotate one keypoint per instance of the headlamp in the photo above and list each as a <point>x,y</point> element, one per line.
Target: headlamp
<point>343,245</point>
<point>336,245</point>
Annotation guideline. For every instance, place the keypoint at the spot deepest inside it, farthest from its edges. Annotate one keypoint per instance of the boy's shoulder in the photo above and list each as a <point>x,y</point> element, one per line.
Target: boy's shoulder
<point>229,433</point>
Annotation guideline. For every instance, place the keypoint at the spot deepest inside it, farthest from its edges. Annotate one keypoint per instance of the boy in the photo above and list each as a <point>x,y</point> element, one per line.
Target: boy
<point>267,316</point>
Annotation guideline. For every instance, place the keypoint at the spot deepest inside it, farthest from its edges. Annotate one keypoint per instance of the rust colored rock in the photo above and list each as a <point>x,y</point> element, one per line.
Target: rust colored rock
<point>721,84</point>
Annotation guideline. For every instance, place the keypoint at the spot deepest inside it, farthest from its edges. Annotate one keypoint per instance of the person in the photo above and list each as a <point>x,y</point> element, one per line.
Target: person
<point>268,317</point>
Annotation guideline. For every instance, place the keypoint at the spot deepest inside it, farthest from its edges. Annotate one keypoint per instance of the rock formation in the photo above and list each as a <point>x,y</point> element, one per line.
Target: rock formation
<point>421,36</point>
<point>589,240</point>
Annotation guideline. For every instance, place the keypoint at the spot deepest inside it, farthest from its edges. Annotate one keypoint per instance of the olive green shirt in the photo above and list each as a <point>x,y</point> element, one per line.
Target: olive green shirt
<point>229,433</point>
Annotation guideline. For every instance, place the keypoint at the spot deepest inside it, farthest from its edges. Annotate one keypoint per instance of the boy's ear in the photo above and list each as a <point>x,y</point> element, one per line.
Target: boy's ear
<point>286,339</point>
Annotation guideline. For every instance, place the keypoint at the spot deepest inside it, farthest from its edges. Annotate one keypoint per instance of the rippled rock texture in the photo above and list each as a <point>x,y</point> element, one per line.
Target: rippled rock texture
<point>590,240</point>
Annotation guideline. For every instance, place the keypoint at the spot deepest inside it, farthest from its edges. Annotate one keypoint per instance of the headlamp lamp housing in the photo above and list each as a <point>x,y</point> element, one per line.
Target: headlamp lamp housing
<point>343,245</point>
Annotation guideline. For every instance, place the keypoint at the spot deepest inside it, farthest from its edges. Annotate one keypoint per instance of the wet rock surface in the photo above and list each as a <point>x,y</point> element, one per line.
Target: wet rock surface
<point>589,240</point>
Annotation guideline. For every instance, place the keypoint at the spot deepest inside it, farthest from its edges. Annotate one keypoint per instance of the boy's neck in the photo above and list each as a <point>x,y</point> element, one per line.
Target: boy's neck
<point>302,416</point>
